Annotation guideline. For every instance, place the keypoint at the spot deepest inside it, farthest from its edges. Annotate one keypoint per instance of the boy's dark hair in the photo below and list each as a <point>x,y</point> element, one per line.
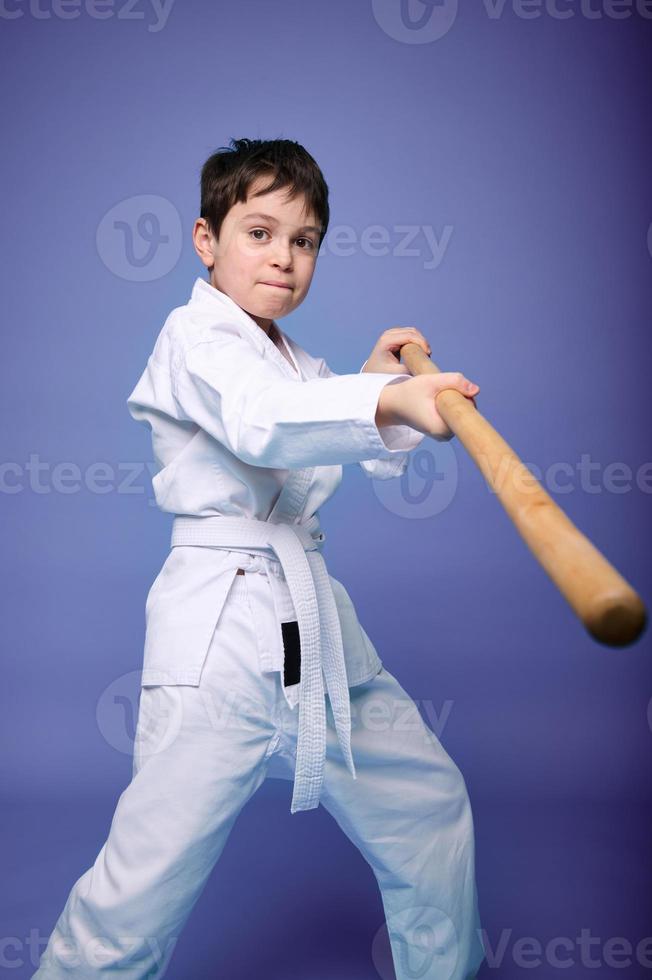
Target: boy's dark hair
<point>227,175</point>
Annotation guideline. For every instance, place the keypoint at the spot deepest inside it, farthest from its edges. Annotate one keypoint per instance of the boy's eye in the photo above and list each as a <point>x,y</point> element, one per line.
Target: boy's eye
<point>307,247</point>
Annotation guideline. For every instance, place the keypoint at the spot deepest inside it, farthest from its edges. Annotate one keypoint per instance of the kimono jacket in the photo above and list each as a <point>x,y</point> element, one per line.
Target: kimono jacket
<point>237,428</point>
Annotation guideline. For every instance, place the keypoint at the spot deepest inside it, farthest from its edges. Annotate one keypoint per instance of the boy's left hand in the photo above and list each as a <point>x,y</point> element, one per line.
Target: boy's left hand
<point>383,361</point>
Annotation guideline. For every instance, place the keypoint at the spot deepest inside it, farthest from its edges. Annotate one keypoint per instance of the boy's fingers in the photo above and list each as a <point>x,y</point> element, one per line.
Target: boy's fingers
<point>408,334</point>
<point>456,380</point>
<point>406,331</point>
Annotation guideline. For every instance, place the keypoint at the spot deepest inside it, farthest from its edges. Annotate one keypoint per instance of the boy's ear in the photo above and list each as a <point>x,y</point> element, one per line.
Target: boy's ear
<point>203,242</point>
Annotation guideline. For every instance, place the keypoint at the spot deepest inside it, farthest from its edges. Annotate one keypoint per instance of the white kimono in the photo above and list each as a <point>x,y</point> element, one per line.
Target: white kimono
<point>249,449</point>
<point>241,431</point>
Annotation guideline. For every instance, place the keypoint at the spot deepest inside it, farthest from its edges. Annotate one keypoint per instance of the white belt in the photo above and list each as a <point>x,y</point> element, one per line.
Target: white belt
<point>299,552</point>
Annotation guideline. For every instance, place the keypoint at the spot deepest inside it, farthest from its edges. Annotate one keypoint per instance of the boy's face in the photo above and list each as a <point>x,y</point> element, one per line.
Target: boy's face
<point>253,251</point>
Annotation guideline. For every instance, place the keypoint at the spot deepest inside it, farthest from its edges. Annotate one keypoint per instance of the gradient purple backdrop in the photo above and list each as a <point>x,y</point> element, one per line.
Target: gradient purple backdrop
<point>522,145</point>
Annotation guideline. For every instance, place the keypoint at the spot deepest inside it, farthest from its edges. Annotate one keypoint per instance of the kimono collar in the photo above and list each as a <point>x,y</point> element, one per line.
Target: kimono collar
<point>206,295</point>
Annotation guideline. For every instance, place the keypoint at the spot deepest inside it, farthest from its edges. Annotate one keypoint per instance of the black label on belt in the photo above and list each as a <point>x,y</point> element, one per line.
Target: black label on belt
<point>292,651</point>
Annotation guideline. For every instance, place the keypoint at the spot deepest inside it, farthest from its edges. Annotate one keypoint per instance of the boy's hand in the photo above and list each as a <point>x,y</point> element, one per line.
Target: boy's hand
<point>413,402</point>
<point>383,361</point>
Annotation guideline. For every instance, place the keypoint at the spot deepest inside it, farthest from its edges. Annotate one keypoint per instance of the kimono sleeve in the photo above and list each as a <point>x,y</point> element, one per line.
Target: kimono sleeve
<point>224,385</point>
<point>399,438</point>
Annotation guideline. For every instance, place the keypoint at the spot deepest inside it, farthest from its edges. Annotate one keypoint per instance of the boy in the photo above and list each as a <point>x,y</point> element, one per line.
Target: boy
<point>254,655</point>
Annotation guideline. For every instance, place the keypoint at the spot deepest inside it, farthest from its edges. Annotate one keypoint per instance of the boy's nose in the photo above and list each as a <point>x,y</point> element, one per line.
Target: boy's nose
<point>282,254</point>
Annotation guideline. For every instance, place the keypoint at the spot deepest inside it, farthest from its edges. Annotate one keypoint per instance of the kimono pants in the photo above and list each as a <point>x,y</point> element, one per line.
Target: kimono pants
<point>200,754</point>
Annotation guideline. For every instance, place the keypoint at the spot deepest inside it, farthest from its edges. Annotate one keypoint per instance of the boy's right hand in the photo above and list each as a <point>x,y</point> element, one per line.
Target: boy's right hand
<point>412,402</point>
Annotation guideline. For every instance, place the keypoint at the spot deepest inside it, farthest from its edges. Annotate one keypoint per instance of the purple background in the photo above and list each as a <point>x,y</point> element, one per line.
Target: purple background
<point>530,139</point>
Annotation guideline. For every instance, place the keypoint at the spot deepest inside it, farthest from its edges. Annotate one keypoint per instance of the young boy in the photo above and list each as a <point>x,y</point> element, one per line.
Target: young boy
<point>255,663</point>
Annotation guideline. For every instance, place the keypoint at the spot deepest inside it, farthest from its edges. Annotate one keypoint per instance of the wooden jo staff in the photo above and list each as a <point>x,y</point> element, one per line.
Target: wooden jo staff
<point>612,612</point>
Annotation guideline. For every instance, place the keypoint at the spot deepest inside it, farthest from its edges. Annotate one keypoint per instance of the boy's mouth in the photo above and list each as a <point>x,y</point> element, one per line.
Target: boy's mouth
<point>277,285</point>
